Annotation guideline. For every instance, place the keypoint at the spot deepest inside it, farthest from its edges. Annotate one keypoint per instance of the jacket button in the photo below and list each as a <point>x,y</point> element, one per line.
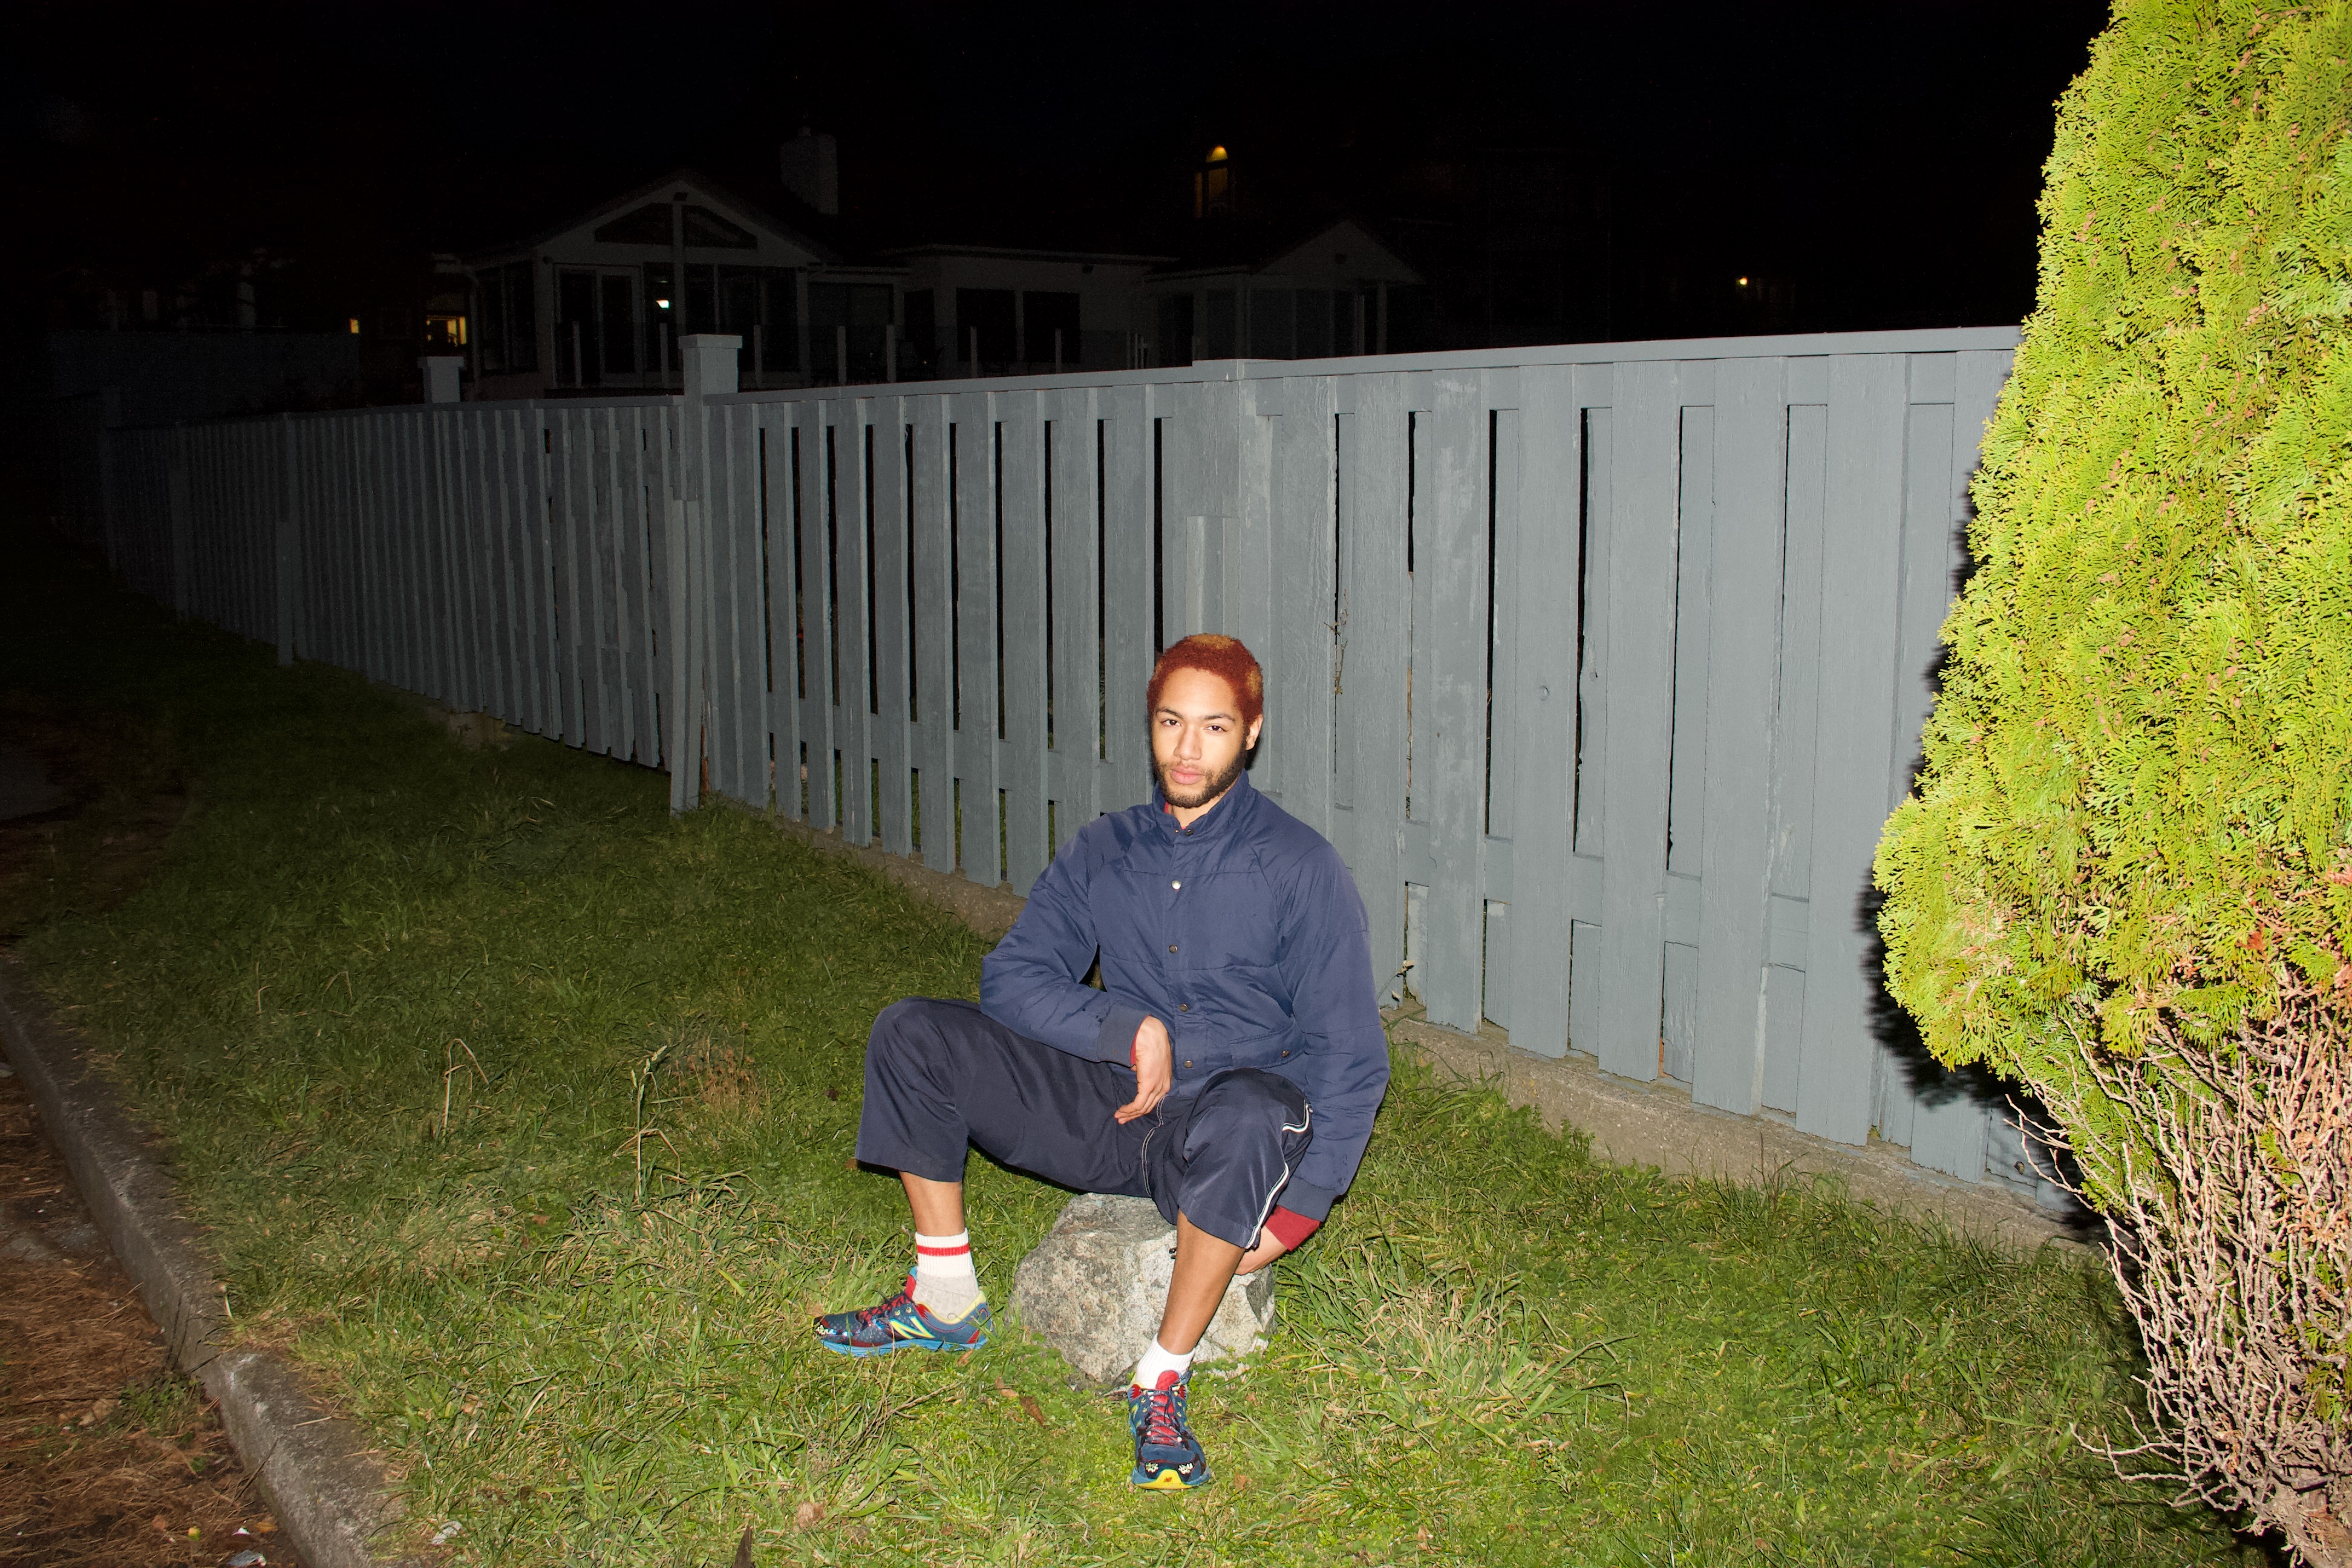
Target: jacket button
<point>1188,1064</point>
<point>1171,947</point>
<point>1285,1052</point>
<point>1184,1008</point>
<point>1176,884</point>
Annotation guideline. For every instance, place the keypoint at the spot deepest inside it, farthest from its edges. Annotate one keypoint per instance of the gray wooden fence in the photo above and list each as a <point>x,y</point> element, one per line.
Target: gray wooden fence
<point>1601,666</point>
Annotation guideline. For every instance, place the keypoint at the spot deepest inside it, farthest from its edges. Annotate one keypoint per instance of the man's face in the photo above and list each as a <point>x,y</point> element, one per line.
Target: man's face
<point>1197,739</point>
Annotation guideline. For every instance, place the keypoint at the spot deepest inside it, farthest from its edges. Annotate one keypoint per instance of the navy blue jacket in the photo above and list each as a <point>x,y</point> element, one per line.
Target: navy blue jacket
<point>1243,933</point>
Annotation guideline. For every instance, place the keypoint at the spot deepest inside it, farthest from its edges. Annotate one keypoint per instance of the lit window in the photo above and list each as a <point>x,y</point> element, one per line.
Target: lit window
<point>445,331</point>
<point>1213,186</point>
<point>355,326</point>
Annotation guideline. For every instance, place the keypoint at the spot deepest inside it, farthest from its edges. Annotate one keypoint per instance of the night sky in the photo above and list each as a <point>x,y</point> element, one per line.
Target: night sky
<point>1880,162</point>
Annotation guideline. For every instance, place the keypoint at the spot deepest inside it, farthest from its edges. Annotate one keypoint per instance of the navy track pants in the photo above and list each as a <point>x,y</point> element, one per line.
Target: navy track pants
<point>943,1076</point>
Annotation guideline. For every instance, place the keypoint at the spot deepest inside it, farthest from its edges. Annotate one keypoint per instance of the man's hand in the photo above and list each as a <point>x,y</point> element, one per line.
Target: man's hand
<point>1154,1070</point>
<point>1269,1248</point>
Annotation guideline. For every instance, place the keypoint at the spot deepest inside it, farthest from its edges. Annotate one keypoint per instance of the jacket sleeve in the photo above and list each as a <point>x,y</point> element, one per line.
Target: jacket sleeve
<point>1328,965</point>
<point>1034,982</point>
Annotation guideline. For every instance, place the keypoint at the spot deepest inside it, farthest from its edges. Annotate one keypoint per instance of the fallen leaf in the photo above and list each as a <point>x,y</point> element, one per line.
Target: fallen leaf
<point>807,1515</point>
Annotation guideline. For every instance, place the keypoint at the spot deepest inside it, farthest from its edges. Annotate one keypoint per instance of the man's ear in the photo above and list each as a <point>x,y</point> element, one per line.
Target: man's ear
<point>1256,725</point>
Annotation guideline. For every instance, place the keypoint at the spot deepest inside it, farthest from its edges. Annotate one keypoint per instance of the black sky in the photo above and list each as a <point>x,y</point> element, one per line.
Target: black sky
<point>1886,156</point>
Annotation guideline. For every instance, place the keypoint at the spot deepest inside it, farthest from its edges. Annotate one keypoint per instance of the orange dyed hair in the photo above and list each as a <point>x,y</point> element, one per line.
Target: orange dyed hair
<point>1223,656</point>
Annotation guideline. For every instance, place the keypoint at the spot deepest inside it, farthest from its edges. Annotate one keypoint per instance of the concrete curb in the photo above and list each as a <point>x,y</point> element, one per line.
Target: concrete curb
<point>314,1465</point>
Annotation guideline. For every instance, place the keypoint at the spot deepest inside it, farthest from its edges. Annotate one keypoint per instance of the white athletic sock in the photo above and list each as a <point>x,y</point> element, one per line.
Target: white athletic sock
<point>946,1284</point>
<point>1158,1360</point>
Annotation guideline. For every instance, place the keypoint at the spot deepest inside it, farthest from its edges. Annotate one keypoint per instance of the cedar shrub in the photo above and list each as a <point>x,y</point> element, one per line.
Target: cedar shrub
<point>2126,875</point>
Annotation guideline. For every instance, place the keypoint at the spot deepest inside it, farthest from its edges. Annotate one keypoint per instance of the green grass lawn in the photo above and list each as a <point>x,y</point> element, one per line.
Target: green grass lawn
<point>525,1113</point>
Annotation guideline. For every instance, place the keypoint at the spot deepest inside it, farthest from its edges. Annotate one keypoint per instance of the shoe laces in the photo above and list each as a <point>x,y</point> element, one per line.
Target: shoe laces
<point>866,1315</point>
<point>1163,1417</point>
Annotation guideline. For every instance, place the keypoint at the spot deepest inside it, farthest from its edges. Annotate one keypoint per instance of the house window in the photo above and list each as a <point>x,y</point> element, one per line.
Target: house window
<point>1175,346</point>
<point>578,361</point>
<point>491,324</point>
<point>1315,338</point>
<point>597,334</point>
<point>1270,323</point>
<point>922,330</point>
<point>991,310</point>
<point>1213,186</point>
<point>705,229</point>
<point>1042,315</point>
<point>507,333</point>
<point>616,320</point>
<point>1218,338</point>
<point>755,303</point>
<point>648,224</point>
<point>854,317</point>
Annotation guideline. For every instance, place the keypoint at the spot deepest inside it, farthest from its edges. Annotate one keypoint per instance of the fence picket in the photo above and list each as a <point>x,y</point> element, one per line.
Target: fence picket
<point>1861,573</point>
<point>1543,823</point>
<point>1743,660</point>
<point>892,578</point>
<point>1296,752</point>
<point>1023,638</point>
<point>979,713</point>
<point>1637,701</point>
<point>1380,635</point>
<point>1451,697</point>
<point>934,655</point>
<point>1074,559</point>
<point>1129,595</point>
<point>853,715</point>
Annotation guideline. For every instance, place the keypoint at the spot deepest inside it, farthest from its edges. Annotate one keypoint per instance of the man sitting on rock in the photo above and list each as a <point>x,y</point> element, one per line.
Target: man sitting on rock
<point>1228,1068</point>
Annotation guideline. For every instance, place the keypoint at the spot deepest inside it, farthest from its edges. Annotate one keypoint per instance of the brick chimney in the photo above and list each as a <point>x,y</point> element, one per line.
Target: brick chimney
<point>811,164</point>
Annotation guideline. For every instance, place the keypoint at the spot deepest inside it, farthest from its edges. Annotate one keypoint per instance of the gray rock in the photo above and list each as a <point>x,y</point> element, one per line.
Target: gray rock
<point>1094,1288</point>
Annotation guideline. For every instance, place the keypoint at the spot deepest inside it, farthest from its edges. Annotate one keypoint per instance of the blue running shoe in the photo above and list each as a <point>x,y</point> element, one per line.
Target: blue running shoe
<point>1168,1457</point>
<point>898,1324</point>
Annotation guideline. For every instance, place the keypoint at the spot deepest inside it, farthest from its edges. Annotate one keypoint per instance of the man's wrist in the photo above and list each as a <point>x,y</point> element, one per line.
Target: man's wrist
<point>1290,1229</point>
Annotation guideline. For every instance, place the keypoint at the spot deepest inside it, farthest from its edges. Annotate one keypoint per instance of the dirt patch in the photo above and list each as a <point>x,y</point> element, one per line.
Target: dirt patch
<point>123,793</point>
<point>107,1455</point>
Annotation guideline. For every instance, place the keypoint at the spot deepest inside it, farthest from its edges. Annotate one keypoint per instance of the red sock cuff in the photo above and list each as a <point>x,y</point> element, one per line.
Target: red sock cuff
<point>1289,1228</point>
<point>923,1251</point>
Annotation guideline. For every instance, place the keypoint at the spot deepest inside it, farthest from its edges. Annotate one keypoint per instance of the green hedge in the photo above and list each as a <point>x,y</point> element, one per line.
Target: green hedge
<point>2134,814</point>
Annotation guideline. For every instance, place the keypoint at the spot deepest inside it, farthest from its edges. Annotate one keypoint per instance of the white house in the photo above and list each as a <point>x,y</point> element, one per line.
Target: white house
<point>1325,294</point>
<point>1022,311</point>
<point>598,302</point>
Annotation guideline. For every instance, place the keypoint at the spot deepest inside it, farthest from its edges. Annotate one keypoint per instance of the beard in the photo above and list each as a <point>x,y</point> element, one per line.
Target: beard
<point>1207,790</point>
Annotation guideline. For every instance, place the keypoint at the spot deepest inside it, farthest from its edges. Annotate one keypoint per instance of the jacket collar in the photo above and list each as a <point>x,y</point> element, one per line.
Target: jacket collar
<point>1216,823</point>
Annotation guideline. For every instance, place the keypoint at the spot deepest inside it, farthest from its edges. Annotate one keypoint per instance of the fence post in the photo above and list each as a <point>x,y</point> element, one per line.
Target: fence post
<point>710,371</point>
<point>441,376</point>
<point>289,543</point>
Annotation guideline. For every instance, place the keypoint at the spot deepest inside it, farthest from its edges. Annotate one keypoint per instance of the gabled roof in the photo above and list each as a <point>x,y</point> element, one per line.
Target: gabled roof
<point>1009,253</point>
<point>1256,249</point>
<point>628,201</point>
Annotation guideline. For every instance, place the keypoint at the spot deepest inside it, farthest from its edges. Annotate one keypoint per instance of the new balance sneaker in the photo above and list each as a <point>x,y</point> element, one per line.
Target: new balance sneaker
<point>1168,1457</point>
<point>899,1325</point>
